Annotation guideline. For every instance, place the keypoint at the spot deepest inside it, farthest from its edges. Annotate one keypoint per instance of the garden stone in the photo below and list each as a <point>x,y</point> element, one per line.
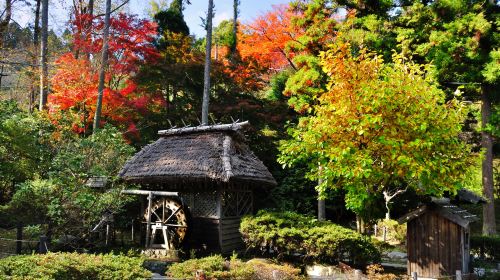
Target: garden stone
<point>397,255</point>
<point>318,270</point>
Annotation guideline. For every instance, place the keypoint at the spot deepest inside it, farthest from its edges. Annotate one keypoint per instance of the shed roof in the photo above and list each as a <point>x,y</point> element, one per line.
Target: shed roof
<point>193,154</point>
<point>467,196</point>
<point>445,209</point>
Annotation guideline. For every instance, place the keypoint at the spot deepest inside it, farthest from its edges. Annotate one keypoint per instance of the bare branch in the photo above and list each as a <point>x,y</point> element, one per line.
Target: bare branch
<point>115,9</point>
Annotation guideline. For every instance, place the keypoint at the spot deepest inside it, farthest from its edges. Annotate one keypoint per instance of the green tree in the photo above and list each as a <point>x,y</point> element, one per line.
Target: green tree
<point>461,39</point>
<point>22,153</point>
<point>379,127</point>
<point>61,198</point>
<point>316,20</point>
<point>172,19</point>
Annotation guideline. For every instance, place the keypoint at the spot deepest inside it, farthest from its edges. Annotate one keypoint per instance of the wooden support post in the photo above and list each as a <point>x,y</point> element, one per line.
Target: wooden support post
<point>132,235</point>
<point>148,224</point>
<point>414,275</point>
<point>42,247</point>
<point>458,274</point>
<point>107,234</point>
<point>19,237</point>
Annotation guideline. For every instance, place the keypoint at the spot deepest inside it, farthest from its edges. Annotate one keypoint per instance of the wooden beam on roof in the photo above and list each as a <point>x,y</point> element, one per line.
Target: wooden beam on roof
<point>203,128</point>
<point>155,193</point>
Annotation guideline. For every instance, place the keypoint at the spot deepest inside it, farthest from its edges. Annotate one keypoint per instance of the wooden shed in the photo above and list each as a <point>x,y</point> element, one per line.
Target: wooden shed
<point>200,182</point>
<point>437,240</point>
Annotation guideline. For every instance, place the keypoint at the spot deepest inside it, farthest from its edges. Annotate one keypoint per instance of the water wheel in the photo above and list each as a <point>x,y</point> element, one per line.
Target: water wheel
<point>169,223</point>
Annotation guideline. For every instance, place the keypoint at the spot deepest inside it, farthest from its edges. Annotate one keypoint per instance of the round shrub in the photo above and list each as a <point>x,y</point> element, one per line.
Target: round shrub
<point>72,266</point>
<point>289,234</point>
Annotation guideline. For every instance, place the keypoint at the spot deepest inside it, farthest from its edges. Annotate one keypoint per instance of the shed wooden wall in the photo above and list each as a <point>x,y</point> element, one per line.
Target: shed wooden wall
<point>434,246</point>
<point>230,238</point>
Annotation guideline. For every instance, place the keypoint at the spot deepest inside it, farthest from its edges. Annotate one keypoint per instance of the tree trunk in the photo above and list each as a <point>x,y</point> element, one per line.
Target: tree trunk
<point>36,35</point>
<point>90,11</point>
<point>489,225</point>
<point>206,84</point>
<point>4,23</point>
<point>236,3</point>
<point>43,56</point>
<point>321,202</point>
<point>321,210</point>
<point>360,224</point>
<point>102,71</point>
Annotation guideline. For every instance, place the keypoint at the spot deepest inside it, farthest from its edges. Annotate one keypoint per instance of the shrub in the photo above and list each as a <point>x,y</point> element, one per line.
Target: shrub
<point>396,232</point>
<point>216,267</point>
<point>266,270</point>
<point>288,234</point>
<point>72,266</point>
<point>487,247</point>
<point>213,267</point>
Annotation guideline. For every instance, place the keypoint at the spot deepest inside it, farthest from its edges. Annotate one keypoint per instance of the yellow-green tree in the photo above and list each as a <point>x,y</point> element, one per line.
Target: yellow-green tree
<point>378,126</point>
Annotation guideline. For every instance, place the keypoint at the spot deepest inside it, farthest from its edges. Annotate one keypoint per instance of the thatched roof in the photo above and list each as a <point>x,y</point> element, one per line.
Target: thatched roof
<point>190,155</point>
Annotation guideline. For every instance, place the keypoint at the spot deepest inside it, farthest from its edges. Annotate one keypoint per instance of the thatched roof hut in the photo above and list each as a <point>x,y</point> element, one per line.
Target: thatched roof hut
<point>213,172</point>
<point>198,154</point>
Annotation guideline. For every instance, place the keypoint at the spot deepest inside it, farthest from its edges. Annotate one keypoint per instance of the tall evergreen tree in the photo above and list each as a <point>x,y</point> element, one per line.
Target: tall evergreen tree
<point>172,19</point>
<point>461,39</point>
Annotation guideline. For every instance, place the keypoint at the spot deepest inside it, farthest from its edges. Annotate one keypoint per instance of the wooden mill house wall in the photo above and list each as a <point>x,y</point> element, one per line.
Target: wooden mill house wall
<point>214,173</point>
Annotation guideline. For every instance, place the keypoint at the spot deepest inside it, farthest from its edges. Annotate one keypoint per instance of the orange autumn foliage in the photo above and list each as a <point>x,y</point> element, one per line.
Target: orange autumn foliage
<point>265,39</point>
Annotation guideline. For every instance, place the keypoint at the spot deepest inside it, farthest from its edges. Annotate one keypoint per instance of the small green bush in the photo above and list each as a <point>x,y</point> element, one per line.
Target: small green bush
<point>72,266</point>
<point>487,247</point>
<point>266,270</point>
<point>289,234</point>
<point>216,267</point>
<point>396,232</point>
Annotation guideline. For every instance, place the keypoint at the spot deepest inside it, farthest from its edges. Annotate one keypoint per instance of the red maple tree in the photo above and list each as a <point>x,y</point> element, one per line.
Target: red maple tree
<point>74,85</point>
<point>265,39</point>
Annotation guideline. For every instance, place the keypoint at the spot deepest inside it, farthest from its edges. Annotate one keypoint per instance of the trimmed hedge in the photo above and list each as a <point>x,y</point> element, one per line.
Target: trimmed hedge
<point>288,234</point>
<point>72,266</point>
<point>487,247</point>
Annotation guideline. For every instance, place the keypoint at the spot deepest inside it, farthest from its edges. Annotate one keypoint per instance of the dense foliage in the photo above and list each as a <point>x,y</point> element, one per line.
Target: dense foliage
<point>74,84</point>
<point>367,139</point>
<point>486,247</point>
<point>57,194</point>
<point>287,234</point>
<point>23,153</point>
<point>73,266</point>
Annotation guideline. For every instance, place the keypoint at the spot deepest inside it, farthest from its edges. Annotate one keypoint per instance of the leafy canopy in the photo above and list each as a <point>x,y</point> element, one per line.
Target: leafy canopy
<point>379,124</point>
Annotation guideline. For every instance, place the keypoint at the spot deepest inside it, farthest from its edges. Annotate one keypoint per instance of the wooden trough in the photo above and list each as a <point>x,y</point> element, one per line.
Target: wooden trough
<point>211,173</point>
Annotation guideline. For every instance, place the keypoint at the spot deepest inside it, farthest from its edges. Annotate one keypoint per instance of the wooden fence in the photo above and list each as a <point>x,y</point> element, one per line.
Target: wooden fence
<point>14,242</point>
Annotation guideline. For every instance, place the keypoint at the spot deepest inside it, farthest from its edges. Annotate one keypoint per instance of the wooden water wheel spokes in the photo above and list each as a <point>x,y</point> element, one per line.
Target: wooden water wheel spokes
<point>168,223</point>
